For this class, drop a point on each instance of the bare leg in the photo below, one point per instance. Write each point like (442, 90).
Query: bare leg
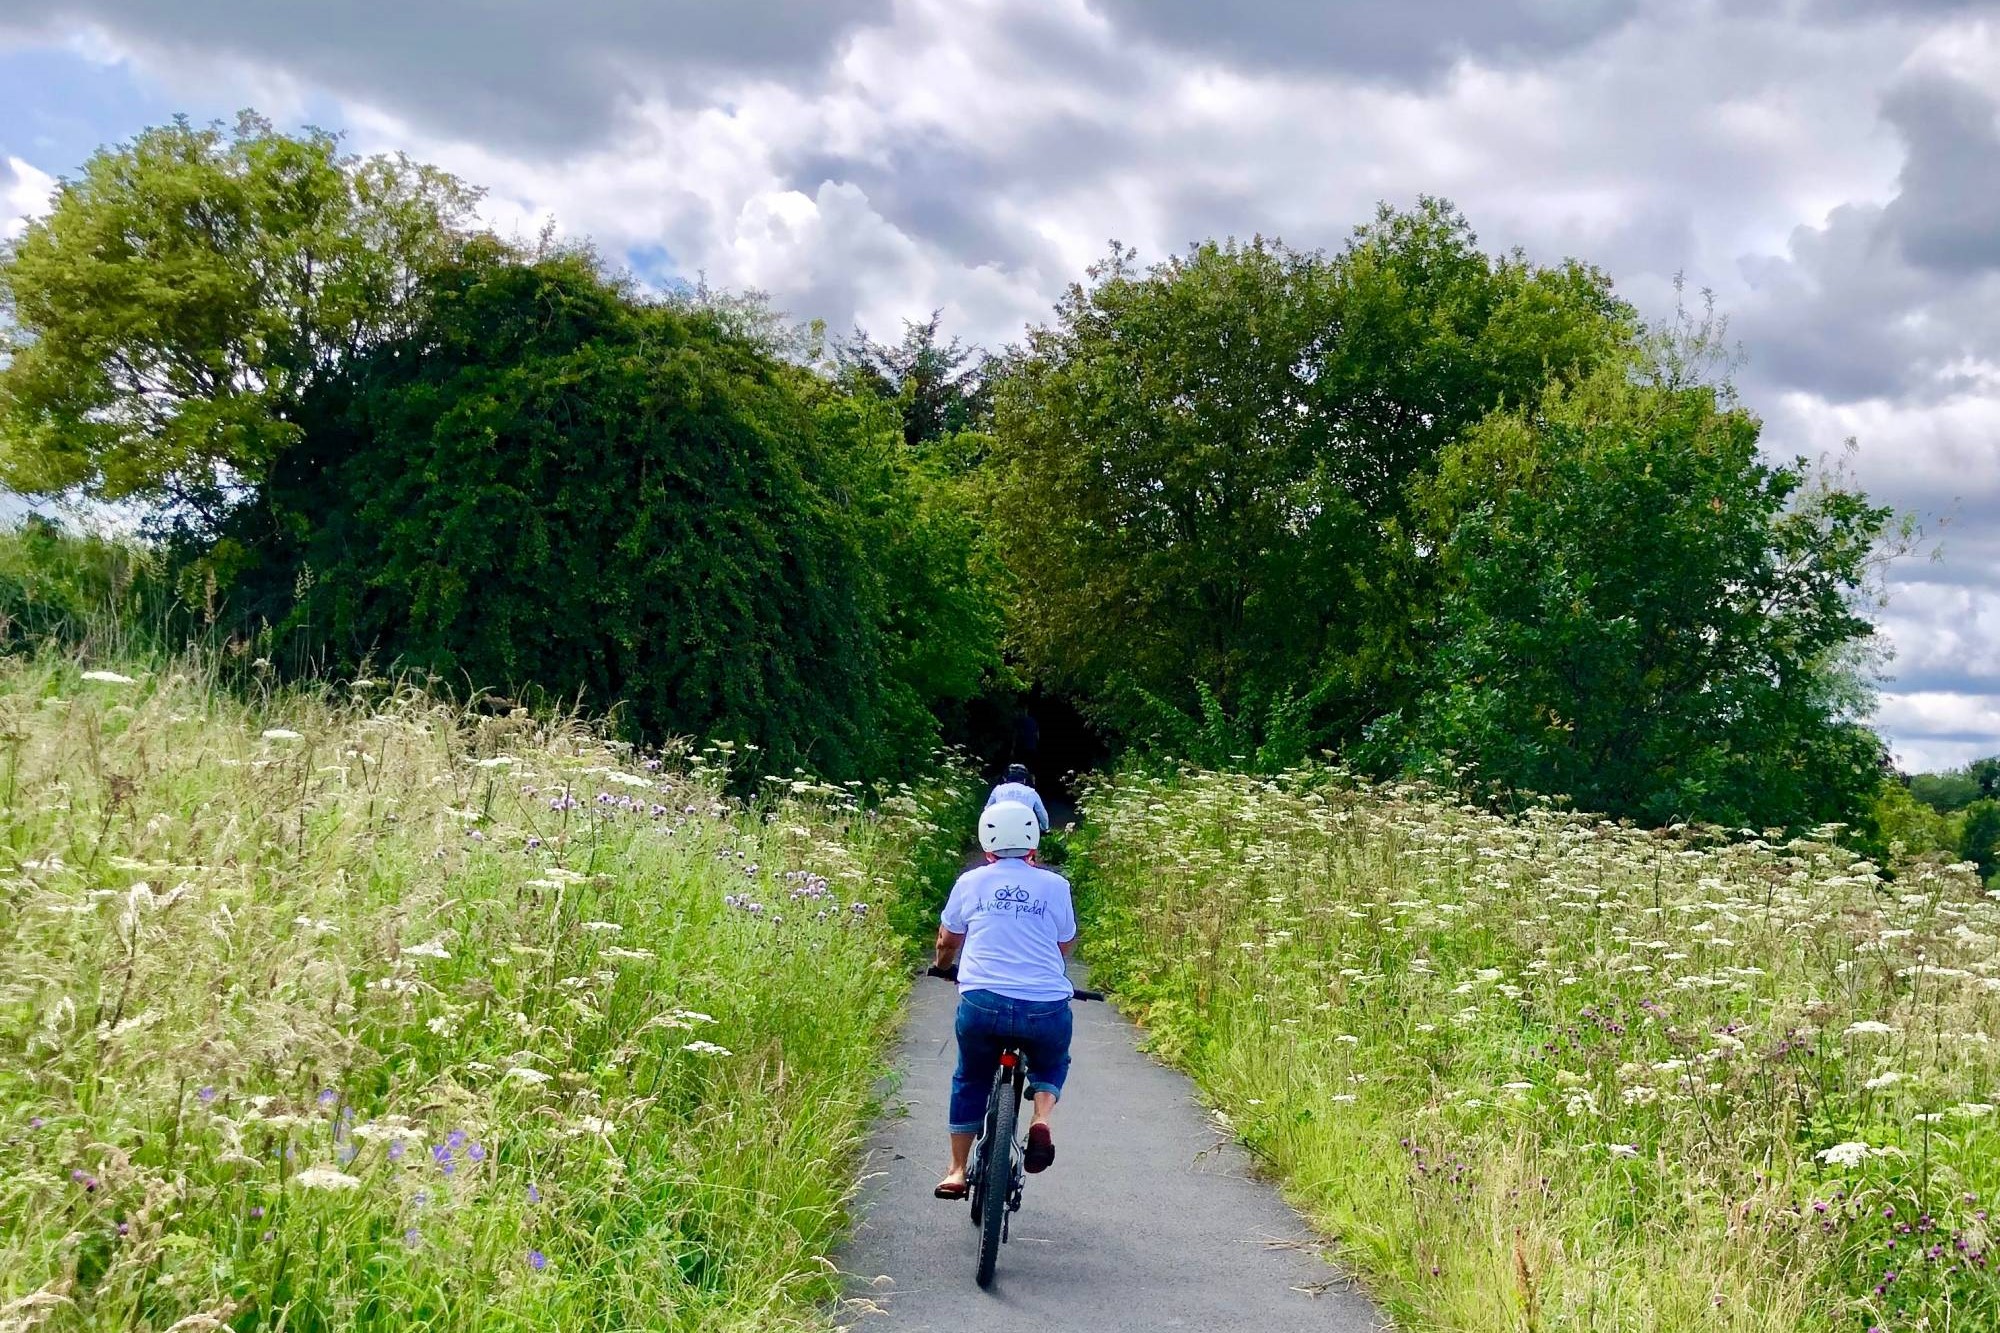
(961, 1153)
(1045, 1106)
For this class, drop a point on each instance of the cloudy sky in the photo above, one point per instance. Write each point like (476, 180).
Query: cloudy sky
(1829, 168)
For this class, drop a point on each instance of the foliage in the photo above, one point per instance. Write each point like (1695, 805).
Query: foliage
(939, 388)
(1694, 674)
(1550, 1072)
(941, 615)
(1979, 840)
(1900, 818)
(555, 487)
(165, 318)
(1956, 788)
(367, 1013)
(84, 592)
(1200, 469)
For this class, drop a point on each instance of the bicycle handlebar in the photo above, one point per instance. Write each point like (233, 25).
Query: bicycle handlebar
(951, 974)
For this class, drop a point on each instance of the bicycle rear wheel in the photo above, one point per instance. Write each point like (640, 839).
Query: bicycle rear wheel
(996, 1177)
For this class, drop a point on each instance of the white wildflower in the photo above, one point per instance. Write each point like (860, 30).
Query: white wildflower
(523, 1074)
(108, 677)
(1622, 1149)
(325, 1178)
(282, 734)
(1881, 1081)
(1843, 1154)
(603, 927)
(706, 1048)
(1869, 1027)
(428, 949)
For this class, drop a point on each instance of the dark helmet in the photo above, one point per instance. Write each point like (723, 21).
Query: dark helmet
(1019, 773)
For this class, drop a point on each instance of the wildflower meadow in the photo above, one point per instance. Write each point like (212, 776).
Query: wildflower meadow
(1552, 1072)
(356, 1010)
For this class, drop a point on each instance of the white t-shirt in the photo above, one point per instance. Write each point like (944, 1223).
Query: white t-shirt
(1014, 916)
(1023, 794)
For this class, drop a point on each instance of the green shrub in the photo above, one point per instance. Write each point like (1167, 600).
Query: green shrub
(554, 489)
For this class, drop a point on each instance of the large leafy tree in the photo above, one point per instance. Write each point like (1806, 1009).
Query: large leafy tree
(1644, 615)
(551, 485)
(187, 289)
(1203, 469)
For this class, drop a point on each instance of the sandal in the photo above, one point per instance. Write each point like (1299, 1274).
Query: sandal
(1041, 1149)
(949, 1189)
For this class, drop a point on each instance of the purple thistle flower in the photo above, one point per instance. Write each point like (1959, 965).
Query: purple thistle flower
(420, 1198)
(124, 1228)
(395, 1150)
(537, 1260)
(476, 1152)
(36, 1122)
(206, 1095)
(533, 843)
(326, 1096)
(441, 1154)
(411, 1238)
(256, 1212)
(455, 1140)
(534, 1195)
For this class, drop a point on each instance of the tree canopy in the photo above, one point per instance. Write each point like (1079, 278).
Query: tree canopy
(1643, 615)
(1443, 510)
(551, 485)
(163, 321)
(1203, 469)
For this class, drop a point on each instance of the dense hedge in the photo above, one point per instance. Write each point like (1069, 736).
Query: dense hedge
(556, 487)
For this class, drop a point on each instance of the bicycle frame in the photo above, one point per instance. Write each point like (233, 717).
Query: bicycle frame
(1009, 1080)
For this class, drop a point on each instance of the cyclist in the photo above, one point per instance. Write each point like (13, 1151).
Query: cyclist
(1009, 925)
(1019, 786)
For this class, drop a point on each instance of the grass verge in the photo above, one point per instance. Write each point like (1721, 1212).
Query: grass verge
(362, 1012)
(1550, 1073)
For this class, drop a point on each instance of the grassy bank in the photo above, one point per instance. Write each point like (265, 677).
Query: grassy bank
(362, 1012)
(1554, 1074)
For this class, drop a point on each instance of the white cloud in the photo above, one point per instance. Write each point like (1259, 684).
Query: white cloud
(1937, 729)
(24, 194)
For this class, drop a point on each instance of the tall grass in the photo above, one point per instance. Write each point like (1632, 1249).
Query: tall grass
(1550, 1073)
(103, 596)
(362, 1012)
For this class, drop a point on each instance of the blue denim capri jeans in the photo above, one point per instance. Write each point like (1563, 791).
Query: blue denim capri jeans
(986, 1023)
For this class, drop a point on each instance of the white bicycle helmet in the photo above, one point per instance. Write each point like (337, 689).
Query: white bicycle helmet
(1009, 828)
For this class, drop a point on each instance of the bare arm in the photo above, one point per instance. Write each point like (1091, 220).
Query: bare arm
(1068, 946)
(948, 945)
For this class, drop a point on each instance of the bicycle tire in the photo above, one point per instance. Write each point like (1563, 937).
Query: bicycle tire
(998, 1180)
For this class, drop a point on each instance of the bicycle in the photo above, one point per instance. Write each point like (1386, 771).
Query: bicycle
(998, 1152)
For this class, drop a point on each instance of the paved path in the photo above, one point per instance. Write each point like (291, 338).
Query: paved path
(1148, 1220)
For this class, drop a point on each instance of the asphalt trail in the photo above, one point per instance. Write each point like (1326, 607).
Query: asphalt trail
(1149, 1219)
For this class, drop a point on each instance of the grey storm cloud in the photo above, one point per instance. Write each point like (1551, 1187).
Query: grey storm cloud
(1895, 299)
(550, 76)
(1407, 40)
(1947, 215)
